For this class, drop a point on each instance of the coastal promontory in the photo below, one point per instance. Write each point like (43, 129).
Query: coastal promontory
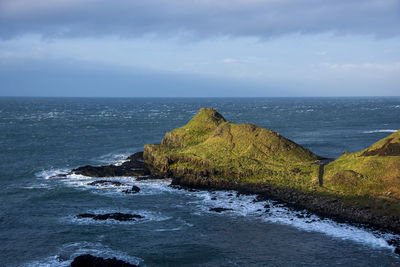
(210, 149)
(210, 152)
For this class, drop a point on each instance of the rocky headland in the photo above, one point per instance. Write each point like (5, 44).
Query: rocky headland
(211, 153)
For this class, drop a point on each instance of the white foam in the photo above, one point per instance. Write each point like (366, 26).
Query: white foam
(113, 158)
(68, 252)
(47, 174)
(380, 131)
(244, 206)
(179, 223)
(147, 187)
(37, 186)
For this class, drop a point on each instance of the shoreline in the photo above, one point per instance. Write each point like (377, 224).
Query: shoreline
(329, 207)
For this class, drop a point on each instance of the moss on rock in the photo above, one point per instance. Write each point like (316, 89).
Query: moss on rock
(213, 148)
(211, 152)
(374, 171)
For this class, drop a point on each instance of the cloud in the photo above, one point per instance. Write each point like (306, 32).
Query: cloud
(230, 60)
(384, 67)
(198, 19)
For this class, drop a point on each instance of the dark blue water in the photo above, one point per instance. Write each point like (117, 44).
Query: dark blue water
(44, 136)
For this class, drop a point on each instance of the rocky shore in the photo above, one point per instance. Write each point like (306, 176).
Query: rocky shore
(132, 166)
(330, 206)
(210, 153)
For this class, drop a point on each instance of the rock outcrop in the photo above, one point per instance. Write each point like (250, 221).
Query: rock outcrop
(88, 260)
(133, 166)
(118, 216)
(134, 189)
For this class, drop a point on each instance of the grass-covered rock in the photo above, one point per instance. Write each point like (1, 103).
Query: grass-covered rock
(210, 147)
(374, 171)
(212, 153)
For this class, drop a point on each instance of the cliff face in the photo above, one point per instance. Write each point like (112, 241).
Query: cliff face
(374, 171)
(209, 147)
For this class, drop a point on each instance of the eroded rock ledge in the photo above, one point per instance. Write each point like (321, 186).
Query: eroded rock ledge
(133, 166)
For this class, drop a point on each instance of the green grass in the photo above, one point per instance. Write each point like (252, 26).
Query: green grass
(213, 147)
(242, 152)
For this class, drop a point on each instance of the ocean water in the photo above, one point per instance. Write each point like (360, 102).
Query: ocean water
(41, 137)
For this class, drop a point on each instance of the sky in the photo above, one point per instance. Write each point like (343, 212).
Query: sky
(199, 48)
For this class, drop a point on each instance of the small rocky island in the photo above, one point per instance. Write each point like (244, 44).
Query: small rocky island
(213, 153)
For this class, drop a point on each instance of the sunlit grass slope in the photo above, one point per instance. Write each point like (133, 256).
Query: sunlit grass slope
(210, 146)
(374, 171)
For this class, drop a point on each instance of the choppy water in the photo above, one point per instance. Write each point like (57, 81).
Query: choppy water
(41, 137)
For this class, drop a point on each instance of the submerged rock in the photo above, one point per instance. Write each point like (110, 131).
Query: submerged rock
(88, 260)
(219, 209)
(133, 190)
(105, 182)
(110, 216)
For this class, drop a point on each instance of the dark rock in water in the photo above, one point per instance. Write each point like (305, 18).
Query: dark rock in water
(192, 190)
(219, 209)
(117, 216)
(134, 166)
(148, 177)
(110, 216)
(61, 175)
(396, 244)
(393, 242)
(178, 187)
(229, 195)
(105, 182)
(133, 190)
(137, 157)
(85, 215)
(213, 198)
(88, 260)
(259, 198)
(267, 206)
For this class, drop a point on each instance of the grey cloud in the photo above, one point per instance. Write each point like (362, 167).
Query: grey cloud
(198, 19)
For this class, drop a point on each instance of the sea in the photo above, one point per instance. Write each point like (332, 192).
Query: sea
(43, 137)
